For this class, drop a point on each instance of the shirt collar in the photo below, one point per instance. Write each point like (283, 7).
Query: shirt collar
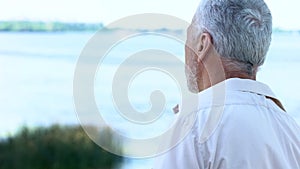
(216, 94)
(247, 85)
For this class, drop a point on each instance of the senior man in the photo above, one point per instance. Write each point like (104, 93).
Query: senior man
(240, 123)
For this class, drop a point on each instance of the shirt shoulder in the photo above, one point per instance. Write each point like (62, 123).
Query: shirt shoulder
(247, 127)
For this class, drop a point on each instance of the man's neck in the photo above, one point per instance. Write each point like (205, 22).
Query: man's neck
(217, 72)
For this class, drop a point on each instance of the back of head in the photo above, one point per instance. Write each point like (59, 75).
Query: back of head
(241, 29)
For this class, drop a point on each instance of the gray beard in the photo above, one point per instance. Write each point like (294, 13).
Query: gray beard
(192, 80)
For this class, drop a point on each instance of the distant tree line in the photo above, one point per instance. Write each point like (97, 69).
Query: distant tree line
(55, 147)
(29, 26)
(36, 26)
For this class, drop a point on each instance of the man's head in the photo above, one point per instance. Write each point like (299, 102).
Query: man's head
(234, 33)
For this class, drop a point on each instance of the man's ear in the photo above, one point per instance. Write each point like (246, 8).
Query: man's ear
(204, 46)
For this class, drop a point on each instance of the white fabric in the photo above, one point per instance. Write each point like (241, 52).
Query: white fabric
(237, 127)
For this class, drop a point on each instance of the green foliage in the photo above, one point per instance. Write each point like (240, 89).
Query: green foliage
(27, 26)
(55, 148)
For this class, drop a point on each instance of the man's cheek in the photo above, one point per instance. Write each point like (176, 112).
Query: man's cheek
(189, 56)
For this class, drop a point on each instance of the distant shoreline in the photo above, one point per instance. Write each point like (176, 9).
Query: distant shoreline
(37, 26)
(40, 26)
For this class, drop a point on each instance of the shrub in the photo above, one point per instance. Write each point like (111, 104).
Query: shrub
(55, 147)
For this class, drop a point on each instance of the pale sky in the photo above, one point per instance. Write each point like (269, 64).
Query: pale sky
(285, 13)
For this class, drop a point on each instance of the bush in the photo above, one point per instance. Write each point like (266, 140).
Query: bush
(55, 147)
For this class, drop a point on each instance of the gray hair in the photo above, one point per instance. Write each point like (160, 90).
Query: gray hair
(241, 29)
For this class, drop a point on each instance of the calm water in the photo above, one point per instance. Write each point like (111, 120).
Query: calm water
(36, 79)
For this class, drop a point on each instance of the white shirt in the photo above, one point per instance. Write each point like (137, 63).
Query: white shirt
(241, 128)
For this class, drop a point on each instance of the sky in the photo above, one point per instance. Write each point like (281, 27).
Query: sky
(285, 13)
